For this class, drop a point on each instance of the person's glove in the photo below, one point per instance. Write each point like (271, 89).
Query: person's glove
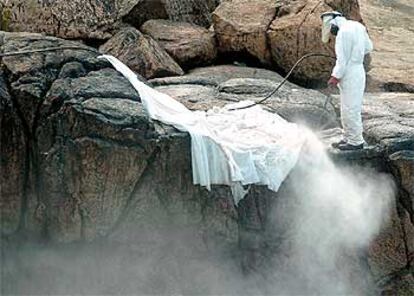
(333, 81)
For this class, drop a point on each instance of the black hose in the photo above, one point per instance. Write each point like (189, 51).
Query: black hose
(284, 79)
(15, 53)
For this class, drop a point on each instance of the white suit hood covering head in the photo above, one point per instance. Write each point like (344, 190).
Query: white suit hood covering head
(338, 21)
(327, 19)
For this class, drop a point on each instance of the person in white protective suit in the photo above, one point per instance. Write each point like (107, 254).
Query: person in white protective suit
(351, 45)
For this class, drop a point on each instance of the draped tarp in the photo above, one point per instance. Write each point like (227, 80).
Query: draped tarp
(235, 148)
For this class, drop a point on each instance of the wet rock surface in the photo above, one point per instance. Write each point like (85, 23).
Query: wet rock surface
(83, 162)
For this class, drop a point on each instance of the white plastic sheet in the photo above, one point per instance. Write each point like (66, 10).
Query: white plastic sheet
(235, 148)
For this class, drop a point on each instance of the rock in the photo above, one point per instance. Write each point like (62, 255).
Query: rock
(398, 87)
(296, 31)
(13, 161)
(389, 71)
(91, 154)
(141, 53)
(401, 284)
(241, 25)
(349, 8)
(190, 11)
(189, 45)
(387, 253)
(146, 10)
(388, 123)
(27, 81)
(29, 90)
(402, 163)
(75, 20)
(72, 70)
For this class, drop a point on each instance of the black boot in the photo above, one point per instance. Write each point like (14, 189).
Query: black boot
(336, 144)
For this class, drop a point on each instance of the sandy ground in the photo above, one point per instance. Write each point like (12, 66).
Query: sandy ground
(390, 24)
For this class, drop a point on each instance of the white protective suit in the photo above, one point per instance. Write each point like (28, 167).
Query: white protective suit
(352, 44)
(235, 148)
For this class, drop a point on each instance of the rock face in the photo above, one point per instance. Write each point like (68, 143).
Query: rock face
(189, 45)
(403, 167)
(141, 53)
(83, 161)
(389, 71)
(77, 19)
(84, 122)
(390, 125)
(15, 164)
(241, 26)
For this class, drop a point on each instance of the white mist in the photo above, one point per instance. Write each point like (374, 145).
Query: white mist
(334, 214)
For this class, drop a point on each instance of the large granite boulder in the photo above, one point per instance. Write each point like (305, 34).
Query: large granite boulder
(141, 53)
(189, 45)
(241, 25)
